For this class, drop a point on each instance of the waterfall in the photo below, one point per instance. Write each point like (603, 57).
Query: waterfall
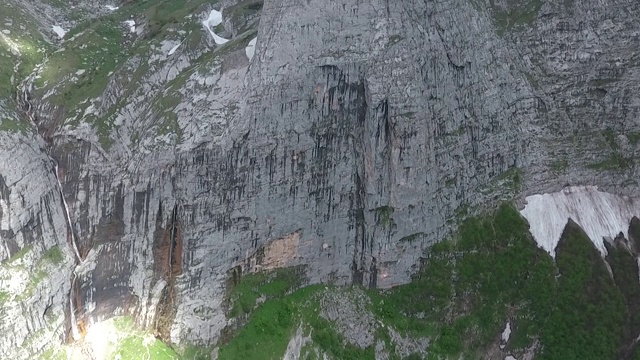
(68, 216)
(75, 332)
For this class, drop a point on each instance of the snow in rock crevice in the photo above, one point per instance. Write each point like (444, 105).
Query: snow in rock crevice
(59, 31)
(250, 50)
(600, 214)
(506, 334)
(111, 7)
(173, 49)
(214, 19)
(131, 24)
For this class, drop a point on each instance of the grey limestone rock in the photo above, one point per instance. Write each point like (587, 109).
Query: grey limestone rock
(352, 141)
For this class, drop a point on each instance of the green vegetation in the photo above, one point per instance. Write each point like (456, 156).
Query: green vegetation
(97, 54)
(267, 334)
(518, 13)
(123, 323)
(54, 354)
(384, 216)
(14, 126)
(273, 323)
(411, 238)
(196, 353)
(39, 271)
(602, 82)
(19, 255)
(512, 178)
(54, 255)
(4, 296)
(491, 272)
(633, 137)
(610, 137)
(23, 47)
(485, 276)
(589, 316)
(559, 166)
(245, 292)
(243, 10)
(35, 279)
(613, 162)
(138, 347)
(507, 182)
(625, 269)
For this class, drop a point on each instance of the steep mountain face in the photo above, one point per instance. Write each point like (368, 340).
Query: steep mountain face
(159, 148)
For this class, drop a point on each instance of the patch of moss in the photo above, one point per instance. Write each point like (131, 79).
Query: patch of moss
(588, 318)
(272, 324)
(602, 82)
(4, 296)
(245, 290)
(412, 237)
(123, 323)
(468, 287)
(15, 126)
(384, 216)
(54, 255)
(22, 49)
(613, 162)
(625, 274)
(19, 255)
(516, 14)
(196, 353)
(610, 138)
(54, 354)
(633, 137)
(34, 280)
(559, 166)
(138, 347)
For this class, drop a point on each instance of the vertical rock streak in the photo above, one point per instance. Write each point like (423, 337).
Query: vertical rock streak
(75, 331)
(71, 236)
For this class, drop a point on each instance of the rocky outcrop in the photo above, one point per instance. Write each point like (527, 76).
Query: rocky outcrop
(350, 142)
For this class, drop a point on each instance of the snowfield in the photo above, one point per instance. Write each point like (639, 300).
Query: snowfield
(59, 31)
(250, 50)
(214, 19)
(600, 214)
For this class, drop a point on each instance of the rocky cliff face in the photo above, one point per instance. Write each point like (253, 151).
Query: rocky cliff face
(159, 158)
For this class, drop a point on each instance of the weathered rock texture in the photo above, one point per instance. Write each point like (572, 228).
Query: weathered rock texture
(352, 140)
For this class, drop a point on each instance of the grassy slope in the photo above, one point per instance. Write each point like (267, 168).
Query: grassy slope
(101, 47)
(469, 287)
(22, 47)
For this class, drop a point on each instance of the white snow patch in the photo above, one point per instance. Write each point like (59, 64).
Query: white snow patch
(131, 24)
(600, 214)
(506, 334)
(59, 31)
(80, 72)
(214, 19)
(173, 49)
(509, 357)
(638, 262)
(250, 50)
(111, 7)
(6, 32)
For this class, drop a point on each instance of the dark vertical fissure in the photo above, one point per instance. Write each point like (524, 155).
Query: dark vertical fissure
(168, 259)
(360, 171)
